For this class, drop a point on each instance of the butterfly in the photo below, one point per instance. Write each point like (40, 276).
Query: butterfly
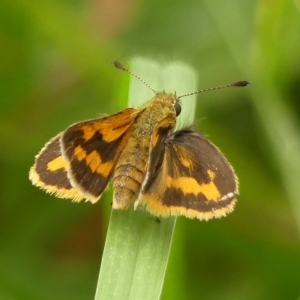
(170, 172)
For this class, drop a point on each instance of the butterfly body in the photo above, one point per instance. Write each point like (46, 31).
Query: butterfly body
(170, 173)
(132, 164)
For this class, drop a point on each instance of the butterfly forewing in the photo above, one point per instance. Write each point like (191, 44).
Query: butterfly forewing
(92, 149)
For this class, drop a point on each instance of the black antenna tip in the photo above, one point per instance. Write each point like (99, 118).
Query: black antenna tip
(241, 83)
(118, 65)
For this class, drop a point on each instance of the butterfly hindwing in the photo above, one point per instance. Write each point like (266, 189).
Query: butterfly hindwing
(92, 149)
(50, 172)
(191, 178)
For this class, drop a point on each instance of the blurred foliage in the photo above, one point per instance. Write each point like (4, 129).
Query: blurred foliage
(55, 70)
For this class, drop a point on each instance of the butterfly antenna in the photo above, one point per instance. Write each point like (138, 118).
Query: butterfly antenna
(234, 84)
(121, 67)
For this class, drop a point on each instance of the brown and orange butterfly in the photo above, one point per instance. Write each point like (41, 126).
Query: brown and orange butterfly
(171, 173)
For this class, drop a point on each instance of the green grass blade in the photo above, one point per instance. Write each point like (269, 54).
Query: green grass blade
(137, 245)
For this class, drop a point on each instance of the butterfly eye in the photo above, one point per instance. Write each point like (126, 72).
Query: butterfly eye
(177, 109)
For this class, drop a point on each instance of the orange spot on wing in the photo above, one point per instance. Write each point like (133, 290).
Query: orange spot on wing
(189, 185)
(57, 163)
(93, 161)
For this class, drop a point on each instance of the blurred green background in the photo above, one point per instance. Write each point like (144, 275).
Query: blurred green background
(55, 70)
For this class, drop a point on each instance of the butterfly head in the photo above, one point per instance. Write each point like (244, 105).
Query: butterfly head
(169, 98)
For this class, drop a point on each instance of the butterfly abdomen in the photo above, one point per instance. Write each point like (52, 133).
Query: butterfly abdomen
(129, 173)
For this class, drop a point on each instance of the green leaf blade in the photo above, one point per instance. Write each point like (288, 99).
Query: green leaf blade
(137, 246)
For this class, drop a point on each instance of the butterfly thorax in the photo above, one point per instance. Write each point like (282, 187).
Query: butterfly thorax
(132, 165)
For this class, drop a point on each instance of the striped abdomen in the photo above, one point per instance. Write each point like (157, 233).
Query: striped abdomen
(129, 172)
